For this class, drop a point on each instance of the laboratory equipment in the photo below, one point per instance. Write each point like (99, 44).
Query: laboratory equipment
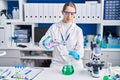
(95, 64)
(14, 38)
(15, 13)
(98, 40)
(2, 19)
(116, 77)
(4, 72)
(26, 73)
(108, 75)
(3, 4)
(49, 44)
(68, 68)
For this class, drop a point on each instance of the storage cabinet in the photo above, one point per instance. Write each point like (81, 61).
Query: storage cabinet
(30, 58)
(12, 58)
(36, 58)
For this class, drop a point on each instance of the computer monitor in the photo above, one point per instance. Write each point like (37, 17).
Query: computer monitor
(39, 32)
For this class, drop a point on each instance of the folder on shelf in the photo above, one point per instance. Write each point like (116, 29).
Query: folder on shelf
(76, 19)
(26, 12)
(34, 12)
(79, 13)
(60, 16)
(93, 11)
(55, 12)
(50, 13)
(40, 13)
(2, 37)
(45, 12)
(83, 19)
(88, 11)
(98, 13)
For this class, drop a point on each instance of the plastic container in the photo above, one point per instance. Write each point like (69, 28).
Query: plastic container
(3, 19)
(15, 13)
(98, 39)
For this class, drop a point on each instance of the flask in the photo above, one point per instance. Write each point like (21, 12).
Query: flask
(68, 69)
(108, 75)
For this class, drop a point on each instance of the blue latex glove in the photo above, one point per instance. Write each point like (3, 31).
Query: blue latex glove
(48, 43)
(74, 54)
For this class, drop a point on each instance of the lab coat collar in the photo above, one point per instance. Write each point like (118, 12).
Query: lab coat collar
(59, 24)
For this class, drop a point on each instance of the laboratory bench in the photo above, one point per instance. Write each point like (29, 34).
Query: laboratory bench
(18, 55)
(54, 74)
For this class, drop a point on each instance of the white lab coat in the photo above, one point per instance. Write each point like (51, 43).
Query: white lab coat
(74, 42)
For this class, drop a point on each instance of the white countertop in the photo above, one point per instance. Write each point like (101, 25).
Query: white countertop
(56, 74)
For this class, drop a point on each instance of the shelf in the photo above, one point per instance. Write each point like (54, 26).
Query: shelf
(111, 22)
(13, 21)
(35, 57)
(12, 0)
(105, 49)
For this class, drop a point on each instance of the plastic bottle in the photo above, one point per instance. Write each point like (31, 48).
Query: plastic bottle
(3, 19)
(98, 40)
(110, 39)
(15, 13)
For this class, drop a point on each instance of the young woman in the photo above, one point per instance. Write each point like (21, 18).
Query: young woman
(68, 35)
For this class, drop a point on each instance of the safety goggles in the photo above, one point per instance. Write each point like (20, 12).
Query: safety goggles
(69, 13)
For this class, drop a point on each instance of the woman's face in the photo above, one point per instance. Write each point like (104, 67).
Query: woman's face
(68, 14)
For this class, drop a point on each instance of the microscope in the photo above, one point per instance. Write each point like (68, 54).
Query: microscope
(95, 64)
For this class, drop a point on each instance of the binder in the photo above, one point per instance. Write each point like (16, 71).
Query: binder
(40, 13)
(2, 37)
(45, 12)
(50, 13)
(79, 11)
(35, 12)
(93, 11)
(31, 12)
(98, 13)
(83, 19)
(88, 11)
(60, 7)
(76, 19)
(55, 12)
(26, 12)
